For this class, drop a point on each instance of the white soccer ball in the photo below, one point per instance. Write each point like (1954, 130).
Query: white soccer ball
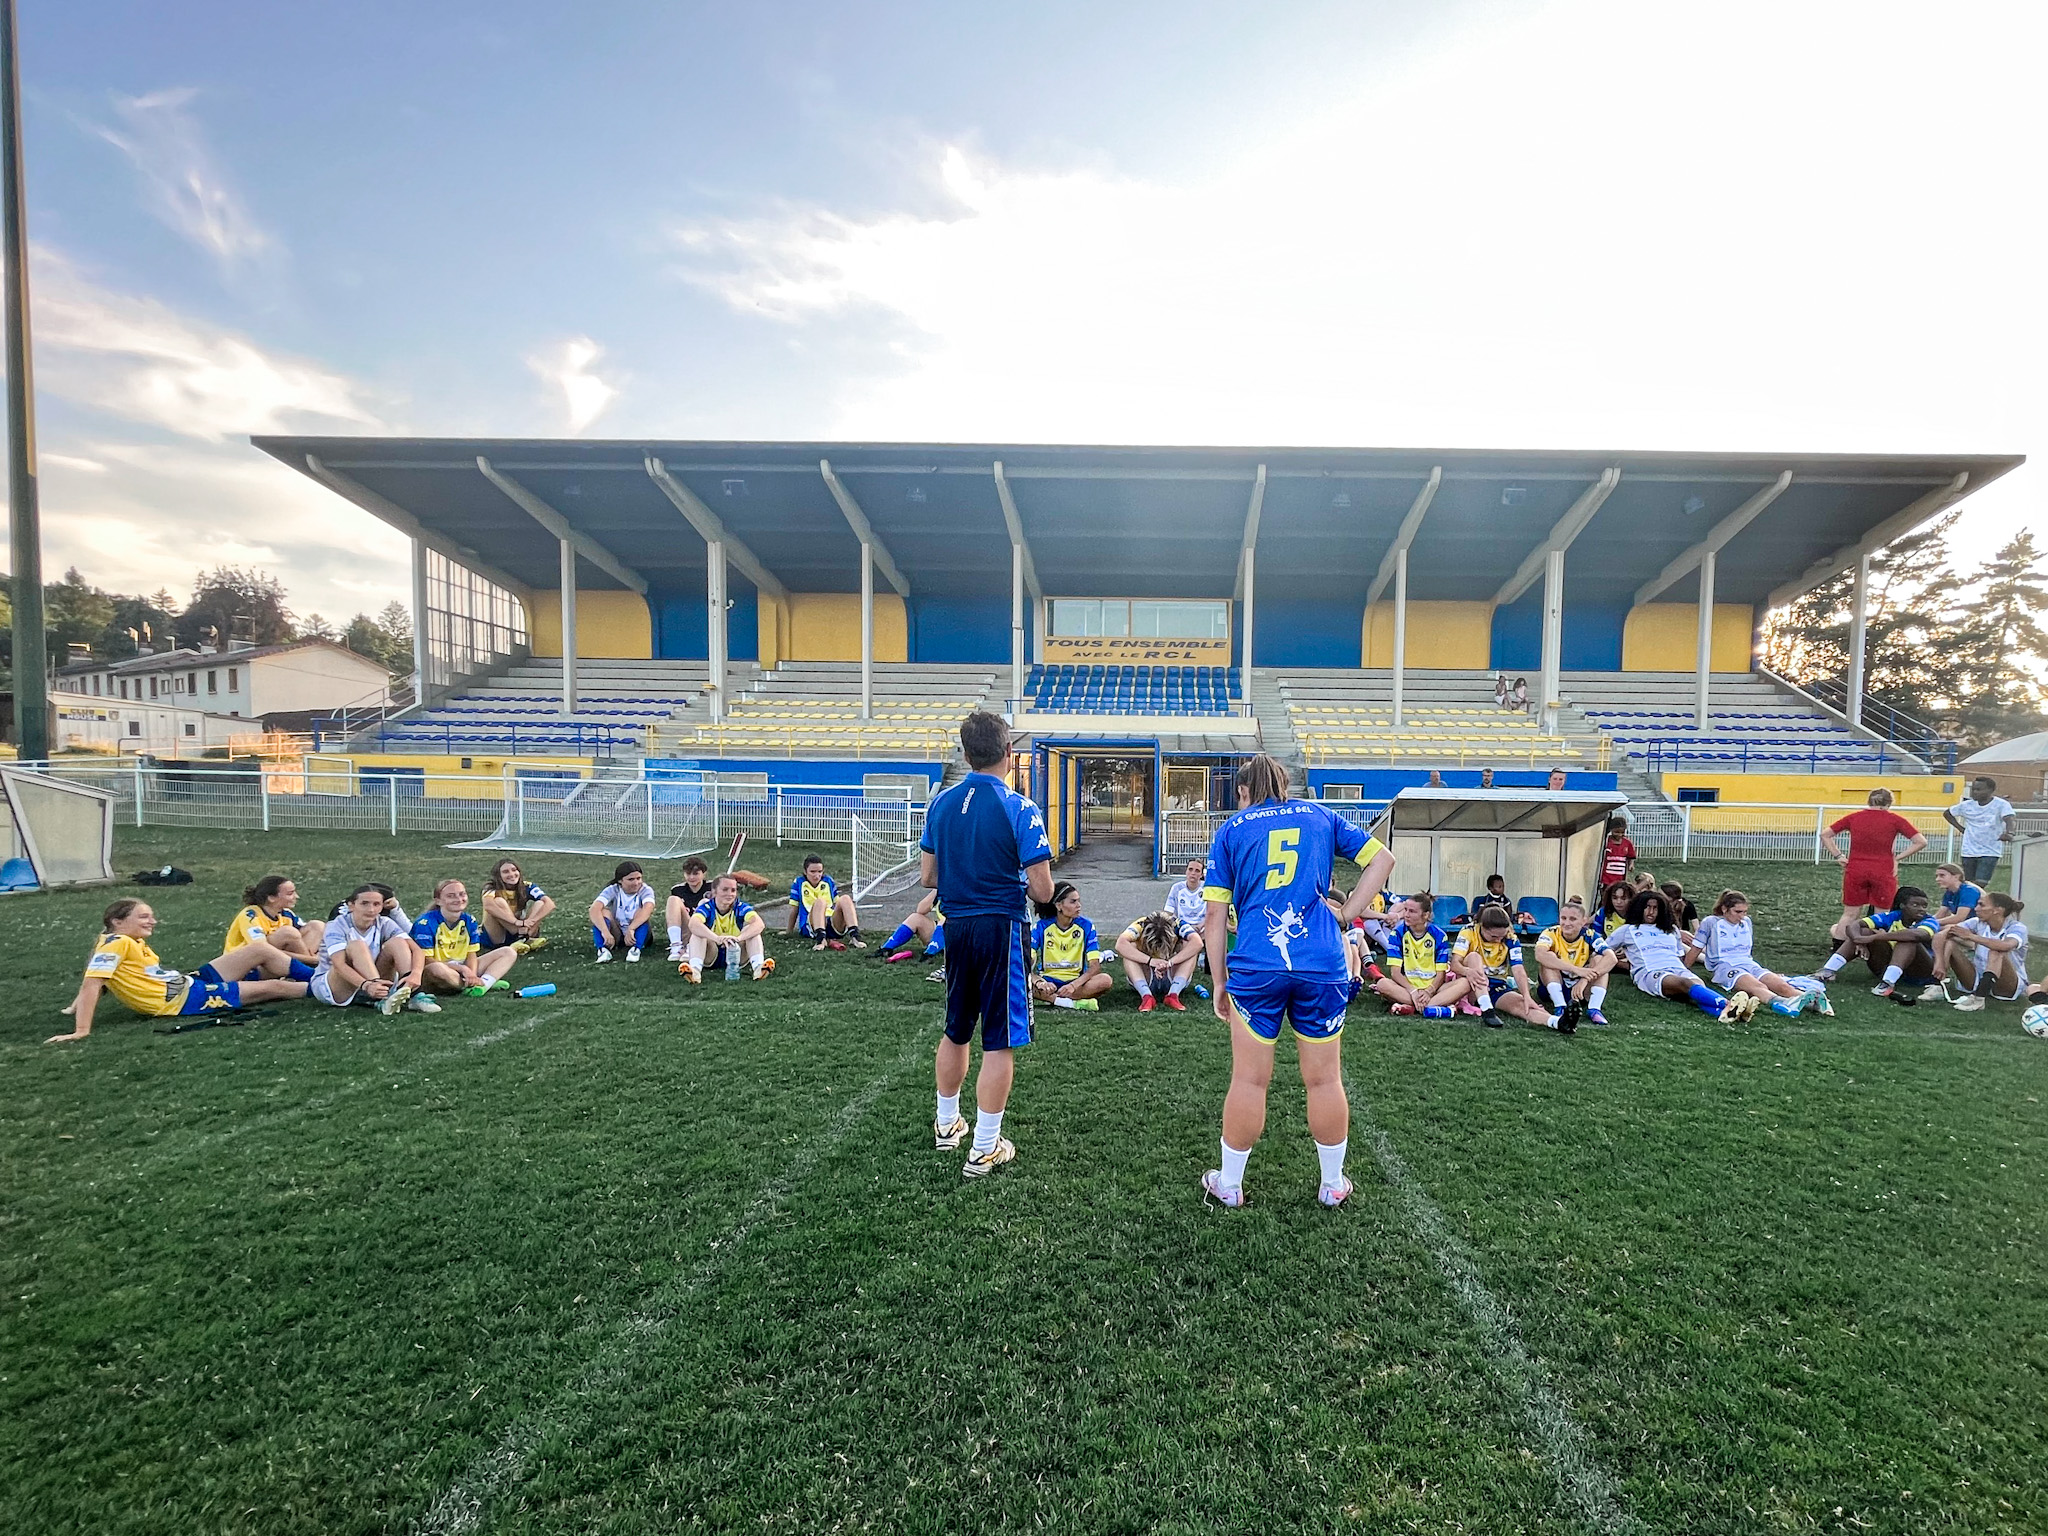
(2035, 1021)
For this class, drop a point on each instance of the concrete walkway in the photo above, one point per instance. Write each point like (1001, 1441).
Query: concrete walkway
(1114, 873)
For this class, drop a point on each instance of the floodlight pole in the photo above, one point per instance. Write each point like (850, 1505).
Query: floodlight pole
(716, 643)
(31, 654)
(568, 628)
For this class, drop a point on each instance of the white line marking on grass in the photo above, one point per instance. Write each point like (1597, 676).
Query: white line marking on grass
(1585, 1484)
(462, 1508)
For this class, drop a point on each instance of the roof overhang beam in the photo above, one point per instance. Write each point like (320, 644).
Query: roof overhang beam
(1251, 528)
(1016, 526)
(863, 530)
(713, 530)
(1905, 520)
(390, 512)
(1716, 540)
(1405, 535)
(1568, 528)
(558, 525)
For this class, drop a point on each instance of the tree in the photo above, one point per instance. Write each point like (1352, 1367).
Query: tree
(386, 639)
(2002, 647)
(315, 627)
(229, 604)
(75, 613)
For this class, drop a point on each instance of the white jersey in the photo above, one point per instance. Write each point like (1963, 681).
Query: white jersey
(1651, 951)
(340, 934)
(1191, 907)
(624, 906)
(1983, 826)
(2015, 929)
(1725, 942)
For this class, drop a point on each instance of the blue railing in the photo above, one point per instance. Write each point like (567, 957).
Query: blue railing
(1768, 757)
(428, 735)
(1902, 728)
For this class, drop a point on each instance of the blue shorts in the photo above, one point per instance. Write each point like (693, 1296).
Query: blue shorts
(638, 941)
(1498, 987)
(1313, 1008)
(205, 996)
(987, 982)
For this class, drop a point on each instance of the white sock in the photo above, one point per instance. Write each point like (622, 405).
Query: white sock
(1556, 991)
(1595, 996)
(1175, 988)
(949, 1108)
(675, 935)
(1892, 973)
(988, 1126)
(1063, 1002)
(1835, 963)
(1233, 1165)
(1332, 1159)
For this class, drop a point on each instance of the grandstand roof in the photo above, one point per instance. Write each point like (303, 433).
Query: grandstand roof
(1146, 521)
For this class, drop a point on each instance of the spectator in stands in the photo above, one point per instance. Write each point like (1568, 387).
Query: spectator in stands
(1985, 818)
(720, 925)
(926, 926)
(1996, 969)
(1436, 780)
(1870, 869)
(367, 958)
(623, 914)
(1503, 690)
(818, 911)
(1661, 958)
(1897, 944)
(1486, 778)
(1556, 780)
(1159, 957)
(1727, 938)
(451, 944)
(1066, 953)
(1420, 978)
(684, 899)
(267, 918)
(124, 964)
(514, 909)
(1518, 701)
(1184, 898)
(1618, 854)
(1687, 914)
(1574, 960)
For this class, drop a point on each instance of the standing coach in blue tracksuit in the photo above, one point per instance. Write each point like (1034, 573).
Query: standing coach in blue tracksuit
(978, 836)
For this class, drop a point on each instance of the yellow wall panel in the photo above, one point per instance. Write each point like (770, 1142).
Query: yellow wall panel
(1664, 637)
(769, 622)
(825, 626)
(1445, 636)
(609, 625)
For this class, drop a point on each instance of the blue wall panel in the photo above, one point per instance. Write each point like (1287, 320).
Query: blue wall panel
(1518, 634)
(682, 623)
(960, 629)
(1308, 632)
(1592, 636)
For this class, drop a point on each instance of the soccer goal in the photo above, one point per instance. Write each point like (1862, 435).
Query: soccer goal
(884, 847)
(59, 833)
(629, 818)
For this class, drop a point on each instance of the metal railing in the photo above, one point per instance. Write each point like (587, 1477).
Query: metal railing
(450, 738)
(1903, 729)
(1236, 709)
(1771, 757)
(1786, 832)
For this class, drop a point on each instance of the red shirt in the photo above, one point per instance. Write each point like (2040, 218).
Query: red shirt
(1871, 833)
(1615, 860)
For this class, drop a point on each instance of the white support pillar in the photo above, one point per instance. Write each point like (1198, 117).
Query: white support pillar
(568, 628)
(421, 668)
(1703, 662)
(1017, 623)
(1249, 581)
(867, 631)
(1400, 627)
(1553, 635)
(1859, 634)
(716, 644)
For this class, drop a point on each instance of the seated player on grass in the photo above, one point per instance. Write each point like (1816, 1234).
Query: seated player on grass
(1420, 978)
(623, 914)
(1612, 914)
(1575, 961)
(926, 926)
(1686, 914)
(1958, 905)
(451, 941)
(1996, 970)
(1898, 945)
(1661, 955)
(390, 906)
(683, 899)
(721, 926)
(267, 918)
(1159, 957)
(124, 964)
(368, 960)
(1068, 955)
(514, 909)
(1490, 957)
(1727, 938)
(817, 910)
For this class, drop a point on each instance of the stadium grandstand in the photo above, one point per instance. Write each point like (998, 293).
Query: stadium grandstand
(823, 614)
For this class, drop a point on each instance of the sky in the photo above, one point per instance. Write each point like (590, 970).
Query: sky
(1776, 227)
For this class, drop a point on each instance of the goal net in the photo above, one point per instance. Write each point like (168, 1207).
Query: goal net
(625, 818)
(58, 833)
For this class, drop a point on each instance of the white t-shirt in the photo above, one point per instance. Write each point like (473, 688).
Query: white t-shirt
(1651, 951)
(624, 904)
(340, 932)
(1191, 907)
(1982, 826)
(1723, 940)
(2012, 930)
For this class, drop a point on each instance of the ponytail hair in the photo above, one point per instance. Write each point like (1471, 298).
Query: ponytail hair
(263, 890)
(1262, 778)
(2010, 905)
(1729, 899)
(1060, 892)
(117, 910)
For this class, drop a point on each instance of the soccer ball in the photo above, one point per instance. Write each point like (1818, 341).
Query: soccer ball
(2035, 1021)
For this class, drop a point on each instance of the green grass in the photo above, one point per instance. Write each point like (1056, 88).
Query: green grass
(643, 1257)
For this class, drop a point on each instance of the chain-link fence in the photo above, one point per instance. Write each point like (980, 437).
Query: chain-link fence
(1783, 832)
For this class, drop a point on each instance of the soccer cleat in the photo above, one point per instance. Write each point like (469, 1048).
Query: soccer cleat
(1173, 1001)
(947, 1137)
(1731, 1011)
(1404, 1010)
(1334, 1195)
(981, 1164)
(1970, 1002)
(1492, 1020)
(1751, 1006)
(1937, 992)
(899, 957)
(1904, 1000)
(395, 999)
(1147, 1003)
(604, 957)
(1818, 1002)
(1470, 1009)
(1213, 1188)
(675, 953)
(1882, 989)
(1087, 1005)
(1568, 1019)
(853, 939)
(421, 1003)
(1595, 1017)
(836, 947)
(1788, 1007)
(535, 944)
(690, 973)
(1374, 974)
(632, 957)
(522, 946)
(937, 975)
(767, 969)
(1356, 991)
(478, 990)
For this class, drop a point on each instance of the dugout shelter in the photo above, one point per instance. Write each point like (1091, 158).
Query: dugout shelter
(1544, 845)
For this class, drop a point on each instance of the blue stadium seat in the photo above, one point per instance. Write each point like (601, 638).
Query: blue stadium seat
(1449, 911)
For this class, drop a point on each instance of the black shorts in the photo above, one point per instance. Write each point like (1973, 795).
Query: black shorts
(986, 982)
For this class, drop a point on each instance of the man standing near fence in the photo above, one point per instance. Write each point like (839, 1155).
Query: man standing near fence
(978, 836)
(1870, 869)
(1985, 818)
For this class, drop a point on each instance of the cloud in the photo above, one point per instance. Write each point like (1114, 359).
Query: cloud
(181, 183)
(585, 396)
(136, 358)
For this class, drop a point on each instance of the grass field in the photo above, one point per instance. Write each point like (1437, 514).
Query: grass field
(643, 1257)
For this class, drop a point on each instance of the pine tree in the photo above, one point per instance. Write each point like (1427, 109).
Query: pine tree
(2001, 647)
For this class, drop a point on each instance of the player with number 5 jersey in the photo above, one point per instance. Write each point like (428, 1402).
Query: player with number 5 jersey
(1275, 860)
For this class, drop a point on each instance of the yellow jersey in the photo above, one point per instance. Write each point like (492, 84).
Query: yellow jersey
(1577, 952)
(253, 925)
(1422, 954)
(130, 970)
(1499, 957)
(1063, 953)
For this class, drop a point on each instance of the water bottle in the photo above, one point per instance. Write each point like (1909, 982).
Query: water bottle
(1201, 991)
(545, 989)
(732, 962)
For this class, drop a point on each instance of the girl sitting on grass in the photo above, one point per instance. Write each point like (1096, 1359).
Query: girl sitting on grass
(124, 964)
(1069, 956)
(1661, 954)
(267, 918)
(926, 926)
(622, 914)
(514, 909)
(1490, 957)
(1727, 937)
(1997, 969)
(1612, 916)
(1159, 958)
(1420, 977)
(452, 942)
(367, 960)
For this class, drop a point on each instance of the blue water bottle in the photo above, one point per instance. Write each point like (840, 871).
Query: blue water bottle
(732, 962)
(545, 989)
(1200, 990)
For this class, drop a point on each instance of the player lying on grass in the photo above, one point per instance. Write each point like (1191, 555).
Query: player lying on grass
(1727, 938)
(451, 943)
(724, 926)
(514, 909)
(267, 918)
(925, 926)
(623, 914)
(1661, 954)
(1420, 977)
(1574, 962)
(367, 959)
(124, 964)
(1994, 968)
(818, 911)
(1067, 954)
(1490, 957)
(1159, 958)
(1898, 945)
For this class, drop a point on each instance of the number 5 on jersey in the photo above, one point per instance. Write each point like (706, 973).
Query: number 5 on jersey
(1280, 857)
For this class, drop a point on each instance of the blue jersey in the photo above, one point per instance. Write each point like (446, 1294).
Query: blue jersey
(1888, 922)
(1963, 898)
(982, 834)
(1274, 861)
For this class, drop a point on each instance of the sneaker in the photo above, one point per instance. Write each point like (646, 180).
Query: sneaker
(1173, 1001)
(1818, 1002)
(1213, 1189)
(1937, 992)
(1405, 1010)
(421, 1003)
(1492, 1020)
(1568, 1019)
(394, 1000)
(946, 1138)
(937, 975)
(1882, 989)
(632, 957)
(690, 974)
(604, 957)
(1334, 1195)
(675, 953)
(1970, 1002)
(1595, 1017)
(1147, 1003)
(981, 1164)
(767, 970)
